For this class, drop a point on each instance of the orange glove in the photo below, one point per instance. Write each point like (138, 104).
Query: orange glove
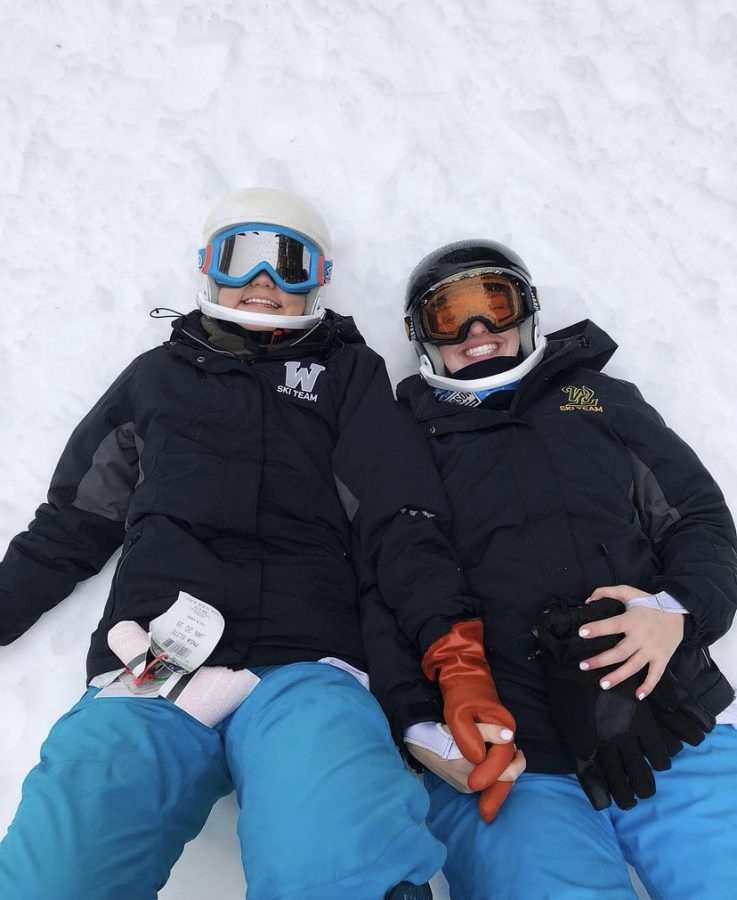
(458, 661)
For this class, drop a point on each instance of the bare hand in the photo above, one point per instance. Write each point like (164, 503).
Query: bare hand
(453, 771)
(651, 637)
(456, 772)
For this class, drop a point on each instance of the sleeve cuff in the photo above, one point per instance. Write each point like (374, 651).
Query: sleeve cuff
(432, 736)
(662, 601)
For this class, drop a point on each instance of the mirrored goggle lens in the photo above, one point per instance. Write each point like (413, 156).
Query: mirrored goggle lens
(240, 253)
(493, 298)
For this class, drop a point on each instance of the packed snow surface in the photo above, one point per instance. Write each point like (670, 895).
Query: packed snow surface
(596, 138)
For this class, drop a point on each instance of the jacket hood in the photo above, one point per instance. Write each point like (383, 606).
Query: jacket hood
(581, 345)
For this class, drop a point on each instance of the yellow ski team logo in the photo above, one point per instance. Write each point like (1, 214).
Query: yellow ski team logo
(581, 398)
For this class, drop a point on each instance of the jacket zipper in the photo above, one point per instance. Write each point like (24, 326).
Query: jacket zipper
(306, 334)
(208, 346)
(603, 549)
(123, 560)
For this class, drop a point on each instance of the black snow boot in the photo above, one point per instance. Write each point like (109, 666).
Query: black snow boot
(405, 890)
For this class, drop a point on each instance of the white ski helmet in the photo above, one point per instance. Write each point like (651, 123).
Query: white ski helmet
(289, 221)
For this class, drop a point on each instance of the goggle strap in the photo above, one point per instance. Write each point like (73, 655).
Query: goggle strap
(206, 259)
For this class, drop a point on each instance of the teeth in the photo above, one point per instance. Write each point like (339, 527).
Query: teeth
(261, 302)
(484, 348)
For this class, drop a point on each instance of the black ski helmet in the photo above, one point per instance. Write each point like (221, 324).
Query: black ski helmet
(462, 256)
(468, 256)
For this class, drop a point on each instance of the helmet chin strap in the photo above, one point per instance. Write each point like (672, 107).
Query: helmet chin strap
(482, 384)
(241, 317)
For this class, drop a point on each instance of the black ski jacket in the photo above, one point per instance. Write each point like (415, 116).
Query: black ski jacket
(237, 480)
(579, 484)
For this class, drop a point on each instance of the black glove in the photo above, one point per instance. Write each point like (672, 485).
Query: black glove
(678, 712)
(611, 734)
(405, 890)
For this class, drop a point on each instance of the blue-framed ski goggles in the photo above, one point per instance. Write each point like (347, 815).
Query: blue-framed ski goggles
(294, 263)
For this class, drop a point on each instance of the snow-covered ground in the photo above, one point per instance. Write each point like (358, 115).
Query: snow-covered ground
(597, 137)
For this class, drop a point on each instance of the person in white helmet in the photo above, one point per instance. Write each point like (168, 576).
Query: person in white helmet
(237, 464)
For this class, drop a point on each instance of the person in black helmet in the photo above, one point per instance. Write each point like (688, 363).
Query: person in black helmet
(604, 558)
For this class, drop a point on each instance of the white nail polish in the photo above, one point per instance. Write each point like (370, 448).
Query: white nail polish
(506, 734)
(606, 685)
(583, 666)
(641, 696)
(583, 632)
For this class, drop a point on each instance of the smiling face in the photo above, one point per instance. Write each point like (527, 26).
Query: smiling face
(480, 344)
(261, 295)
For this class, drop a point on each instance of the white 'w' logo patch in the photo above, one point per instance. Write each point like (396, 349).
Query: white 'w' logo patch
(300, 379)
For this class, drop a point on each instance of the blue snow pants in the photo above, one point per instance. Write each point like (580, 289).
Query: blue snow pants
(327, 808)
(548, 842)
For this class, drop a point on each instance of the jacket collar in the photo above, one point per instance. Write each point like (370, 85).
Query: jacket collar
(189, 339)
(582, 344)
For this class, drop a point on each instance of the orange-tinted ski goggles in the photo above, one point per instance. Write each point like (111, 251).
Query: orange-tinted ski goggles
(445, 313)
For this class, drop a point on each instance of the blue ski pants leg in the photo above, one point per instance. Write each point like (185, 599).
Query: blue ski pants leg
(328, 810)
(547, 843)
(683, 841)
(122, 785)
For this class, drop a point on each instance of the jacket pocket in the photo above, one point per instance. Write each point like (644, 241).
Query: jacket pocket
(523, 646)
(128, 547)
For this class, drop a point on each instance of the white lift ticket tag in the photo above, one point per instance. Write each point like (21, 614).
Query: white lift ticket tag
(187, 633)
